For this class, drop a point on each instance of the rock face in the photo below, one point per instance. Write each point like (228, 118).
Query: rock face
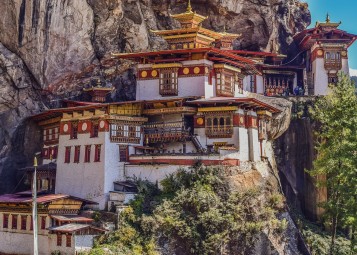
(294, 153)
(58, 37)
(19, 99)
(57, 46)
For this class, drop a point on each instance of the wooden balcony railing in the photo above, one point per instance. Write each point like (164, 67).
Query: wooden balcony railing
(333, 64)
(219, 131)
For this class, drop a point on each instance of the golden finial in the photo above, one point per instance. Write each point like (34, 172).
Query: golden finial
(35, 162)
(328, 18)
(189, 7)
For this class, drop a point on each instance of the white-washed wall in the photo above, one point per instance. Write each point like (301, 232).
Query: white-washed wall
(84, 180)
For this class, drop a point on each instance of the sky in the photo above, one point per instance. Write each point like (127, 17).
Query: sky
(339, 10)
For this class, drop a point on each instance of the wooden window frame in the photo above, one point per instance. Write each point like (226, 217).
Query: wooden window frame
(43, 222)
(87, 150)
(23, 222)
(168, 82)
(5, 222)
(14, 218)
(68, 240)
(125, 132)
(94, 130)
(225, 82)
(97, 152)
(59, 239)
(74, 131)
(219, 126)
(123, 153)
(67, 155)
(77, 153)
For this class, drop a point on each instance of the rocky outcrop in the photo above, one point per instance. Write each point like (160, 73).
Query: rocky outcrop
(19, 99)
(56, 38)
(294, 153)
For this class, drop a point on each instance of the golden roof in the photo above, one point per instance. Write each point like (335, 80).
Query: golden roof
(189, 17)
(327, 23)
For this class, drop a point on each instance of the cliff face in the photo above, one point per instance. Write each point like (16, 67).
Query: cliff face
(53, 47)
(58, 37)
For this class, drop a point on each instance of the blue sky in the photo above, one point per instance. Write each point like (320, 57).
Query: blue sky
(339, 10)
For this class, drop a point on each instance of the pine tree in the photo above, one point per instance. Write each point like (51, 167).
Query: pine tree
(337, 155)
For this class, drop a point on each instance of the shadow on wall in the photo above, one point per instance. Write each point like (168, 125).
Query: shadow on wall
(17, 153)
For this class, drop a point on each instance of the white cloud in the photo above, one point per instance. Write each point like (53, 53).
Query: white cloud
(353, 72)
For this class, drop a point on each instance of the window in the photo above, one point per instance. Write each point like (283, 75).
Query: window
(74, 131)
(94, 130)
(225, 83)
(31, 223)
(14, 222)
(68, 240)
(43, 222)
(67, 156)
(97, 153)
(125, 132)
(332, 78)
(53, 152)
(219, 126)
(169, 82)
(5, 222)
(252, 84)
(23, 222)
(87, 153)
(59, 240)
(77, 150)
(123, 153)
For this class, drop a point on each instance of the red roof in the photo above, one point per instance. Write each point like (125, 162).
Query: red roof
(19, 198)
(236, 100)
(24, 198)
(225, 55)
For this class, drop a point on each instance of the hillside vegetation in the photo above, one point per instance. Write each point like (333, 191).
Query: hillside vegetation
(196, 213)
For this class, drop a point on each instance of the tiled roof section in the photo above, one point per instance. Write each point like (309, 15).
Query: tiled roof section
(25, 198)
(236, 100)
(71, 218)
(73, 227)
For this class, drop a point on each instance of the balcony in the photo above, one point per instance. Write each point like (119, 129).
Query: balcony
(333, 64)
(219, 131)
(166, 132)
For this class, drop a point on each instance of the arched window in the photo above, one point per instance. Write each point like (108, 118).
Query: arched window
(228, 121)
(328, 55)
(221, 122)
(209, 122)
(215, 122)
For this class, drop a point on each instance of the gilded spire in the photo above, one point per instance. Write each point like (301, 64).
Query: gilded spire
(328, 18)
(189, 7)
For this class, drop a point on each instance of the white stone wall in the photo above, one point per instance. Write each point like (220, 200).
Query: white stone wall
(84, 242)
(260, 84)
(52, 239)
(204, 140)
(187, 86)
(345, 66)
(243, 144)
(22, 243)
(84, 180)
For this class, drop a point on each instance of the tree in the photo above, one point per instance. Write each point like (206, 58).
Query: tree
(337, 155)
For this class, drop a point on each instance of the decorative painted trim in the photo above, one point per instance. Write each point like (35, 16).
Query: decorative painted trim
(228, 67)
(168, 65)
(183, 162)
(218, 109)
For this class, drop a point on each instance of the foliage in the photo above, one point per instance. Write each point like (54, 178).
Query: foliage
(317, 239)
(195, 213)
(337, 156)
